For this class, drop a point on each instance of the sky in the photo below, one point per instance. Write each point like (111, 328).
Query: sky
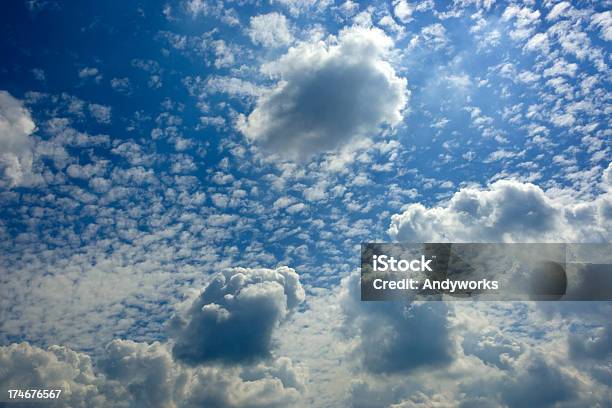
(185, 186)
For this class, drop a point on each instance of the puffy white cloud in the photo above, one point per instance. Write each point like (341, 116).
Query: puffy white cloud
(524, 19)
(233, 319)
(154, 379)
(25, 366)
(403, 10)
(16, 126)
(508, 211)
(270, 30)
(132, 374)
(328, 94)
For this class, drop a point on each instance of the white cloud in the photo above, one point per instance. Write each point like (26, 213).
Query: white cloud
(403, 10)
(132, 374)
(328, 94)
(88, 72)
(507, 211)
(524, 19)
(538, 42)
(229, 85)
(101, 113)
(57, 368)
(16, 126)
(196, 7)
(604, 22)
(121, 85)
(224, 55)
(434, 36)
(297, 7)
(558, 10)
(270, 30)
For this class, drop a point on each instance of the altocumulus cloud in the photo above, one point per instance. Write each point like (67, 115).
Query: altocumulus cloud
(16, 126)
(134, 374)
(328, 93)
(270, 30)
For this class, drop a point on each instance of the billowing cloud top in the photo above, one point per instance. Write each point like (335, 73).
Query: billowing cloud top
(509, 210)
(233, 319)
(328, 93)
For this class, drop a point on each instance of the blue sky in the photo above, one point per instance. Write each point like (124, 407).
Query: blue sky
(147, 147)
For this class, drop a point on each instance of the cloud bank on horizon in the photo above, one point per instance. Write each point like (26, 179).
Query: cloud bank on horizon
(185, 186)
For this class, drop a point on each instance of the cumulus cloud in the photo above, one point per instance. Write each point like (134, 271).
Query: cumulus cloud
(133, 374)
(508, 211)
(25, 366)
(535, 379)
(233, 319)
(328, 94)
(16, 126)
(397, 337)
(231, 322)
(270, 30)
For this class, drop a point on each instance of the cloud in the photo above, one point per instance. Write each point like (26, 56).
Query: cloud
(16, 126)
(132, 374)
(558, 10)
(297, 7)
(233, 319)
(525, 21)
(403, 10)
(328, 94)
(88, 72)
(25, 366)
(604, 22)
(507, 211)
(434, 36)
(540, 384)
(101, 113)
(270, 30)
(396, 337)
(249, 304)
(154, 379)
